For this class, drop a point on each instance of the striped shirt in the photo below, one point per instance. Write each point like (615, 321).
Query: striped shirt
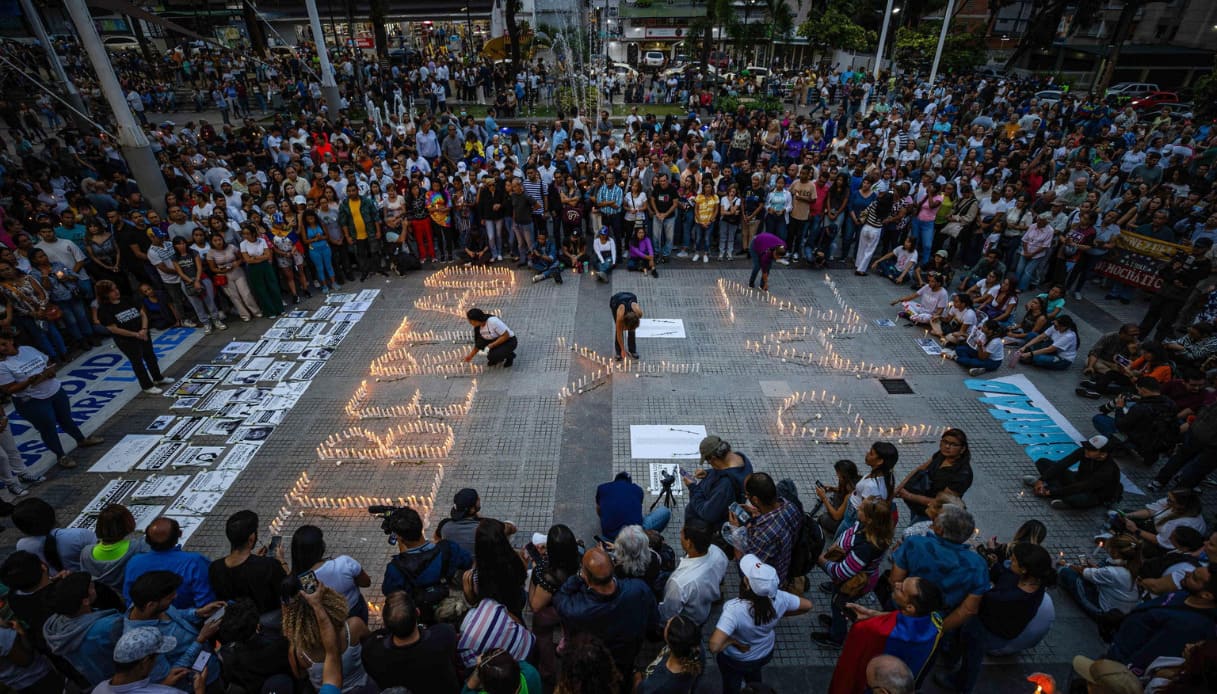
(535, 190)
(860, 556)
(489, 626)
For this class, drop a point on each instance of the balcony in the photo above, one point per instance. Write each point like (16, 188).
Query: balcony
(661, 9)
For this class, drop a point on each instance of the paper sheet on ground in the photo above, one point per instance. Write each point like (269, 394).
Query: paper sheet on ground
(657, 470)
(129, 450)
(661, 327)
(666, 441)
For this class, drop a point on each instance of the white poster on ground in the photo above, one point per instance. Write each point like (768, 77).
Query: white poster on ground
(673, 328)
(124, 454)
(666, 441)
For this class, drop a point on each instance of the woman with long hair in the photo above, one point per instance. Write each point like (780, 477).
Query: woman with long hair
(852, 565)
(318, 244)
(342, 573)
(224, 261)
(491, 334)
(256, 254)
(303, 632)
(63, 286)
(948, 470)
(880, 481)
(1154, 524)
(877, 214)
(498, 571)
(1111, 585)
(552, 563)
(743, 639)
(678, 666)
(127, 322)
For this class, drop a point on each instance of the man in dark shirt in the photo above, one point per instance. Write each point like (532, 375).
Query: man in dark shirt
(1163, 626)
(619, 503)
(663, 215)
(1179, 276)
(1096, 481)
(246, 573)
(424, 569)
(404, 654)
(618, 611)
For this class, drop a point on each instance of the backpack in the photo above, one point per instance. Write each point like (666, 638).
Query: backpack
(809, 542)
(412, 565)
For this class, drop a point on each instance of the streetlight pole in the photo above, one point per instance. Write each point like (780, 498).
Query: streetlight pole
(73, 94)
(942, 39)
(133, 141)
(887, 19)
(329, 86)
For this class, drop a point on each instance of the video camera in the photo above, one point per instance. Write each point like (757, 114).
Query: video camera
(384, 513)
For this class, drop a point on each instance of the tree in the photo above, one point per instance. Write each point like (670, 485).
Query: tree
(915, 48)
(835, 28)
(1205, 96)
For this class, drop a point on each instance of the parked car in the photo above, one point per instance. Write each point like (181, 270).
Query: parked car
(1181, 110)
(1048, 97)
(654, 59)
(622, 70)
(719, 59)
(1153, 99)
(1123, 91)
(120, 42)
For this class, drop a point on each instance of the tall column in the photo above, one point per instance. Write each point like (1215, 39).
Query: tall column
(131, 138)
(329, 87)
(887, 19)
(942, 39)
(72, 95)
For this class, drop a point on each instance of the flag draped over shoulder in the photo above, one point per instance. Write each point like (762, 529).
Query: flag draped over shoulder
(911, 639)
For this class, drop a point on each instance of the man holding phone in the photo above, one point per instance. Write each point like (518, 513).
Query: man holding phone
(768, 526)
(136, 655)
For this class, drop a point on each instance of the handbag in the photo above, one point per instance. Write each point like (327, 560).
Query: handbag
(52, 312)
(220, 280)
(854, 585)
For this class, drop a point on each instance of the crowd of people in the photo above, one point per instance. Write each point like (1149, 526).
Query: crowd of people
(994, 207)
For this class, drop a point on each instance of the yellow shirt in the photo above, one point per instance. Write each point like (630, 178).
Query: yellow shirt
(361, 230)
(704, 208)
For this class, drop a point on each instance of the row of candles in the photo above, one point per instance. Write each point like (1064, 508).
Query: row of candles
(361, 444)
(299, 499)
(469, 277)
(846, 317)
(827, 360)
(857, 426)
(400, 362)
(358, 407)
(405, 336)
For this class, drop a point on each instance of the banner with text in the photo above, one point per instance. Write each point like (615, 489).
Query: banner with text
(1135, 259)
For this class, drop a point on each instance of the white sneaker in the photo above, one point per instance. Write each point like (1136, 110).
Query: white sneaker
(164, 381)
(682, 254)
(207, 329)
(153, 391)
(696, 257)
(17, 490)
(783, 261)
(705, 258)
(219, 324)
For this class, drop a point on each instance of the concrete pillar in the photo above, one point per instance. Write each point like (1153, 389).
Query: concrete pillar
(71, 94)
(329, 87)
(131, 138)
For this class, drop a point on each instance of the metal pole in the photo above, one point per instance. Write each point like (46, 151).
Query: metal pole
(942, 39)
(73, 94)
(887, 18)
(136, 149)
(329, 87)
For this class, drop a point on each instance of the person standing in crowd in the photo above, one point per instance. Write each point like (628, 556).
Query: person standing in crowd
(29, 377)
(128, 323)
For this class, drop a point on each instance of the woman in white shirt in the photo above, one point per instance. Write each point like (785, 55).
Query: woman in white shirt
(1112, 585)
(956, 322)
(881, 459)
(927, 303)
(635, 203)
(984, 349)
(729, 222)
(1180, 508)
(342, 574)
(744, 638)
(1055, 348)
(494, 336)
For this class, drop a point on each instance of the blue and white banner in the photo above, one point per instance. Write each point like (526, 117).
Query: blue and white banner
(98, 384)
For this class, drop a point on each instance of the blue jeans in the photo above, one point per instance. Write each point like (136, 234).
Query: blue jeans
(45, 335)
(776, 224)
(43, 415)
(849, 234)
(1083, 592)
(323, 262)
(74, 319)
(811, 238)
(736, 672)
(1027, 268)
(658, 519)
(1104, 425)
(547, 270)
(923, 232)
(604, 266)
(726, 237)
(701, 237)
(1051, 362)
(967, 356)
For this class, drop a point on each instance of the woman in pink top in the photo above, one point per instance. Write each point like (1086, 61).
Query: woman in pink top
(923, 225)
(1034, 250)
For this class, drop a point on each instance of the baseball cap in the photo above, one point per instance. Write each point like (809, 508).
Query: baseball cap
(1111, 676)
(464, 502)
(1095, 443)
(709, 446)
(762, 577)
(942, 254)
(300, 200)
(141, 642)
(604, 231)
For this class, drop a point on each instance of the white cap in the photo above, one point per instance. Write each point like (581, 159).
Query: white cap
(1097, 442)
(762, 577)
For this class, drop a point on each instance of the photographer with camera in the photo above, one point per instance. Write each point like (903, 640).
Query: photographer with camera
(424, 569)
(619, 503)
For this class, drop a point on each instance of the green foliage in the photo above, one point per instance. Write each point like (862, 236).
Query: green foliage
(836, 28)
(1206, 94)
(915, 48)
(567, 99)
(768, 104)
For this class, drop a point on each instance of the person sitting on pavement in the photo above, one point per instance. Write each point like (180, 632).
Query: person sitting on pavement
(641, 253)
(989, 263)
(1110, 585)
(912, 630)
(696, 583)
(946, 561)
(618, 611)
(36, 520)
(462, 521)
(1095, 482)
(423, 568)
(1153, 525)
(678, 666)
(1164, 573)
(1106, 676)
(1111, 349)
(1146, 424)
(925, 305)
(1195, 457)
(252, 658)
(543, 259)
(949, 469)
(107, 558)
(1164, 625)
(301, 627)
(619, 503)
(1055, 348)
(247, 572)
(164, 536)
(852, 565)
(1015, 614)
(1151, 363)
(889, 674)
(711, 492)
(1195, 347)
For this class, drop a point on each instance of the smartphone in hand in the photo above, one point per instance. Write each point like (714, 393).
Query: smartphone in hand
(741, 514)
(200, 663)
(309, 582)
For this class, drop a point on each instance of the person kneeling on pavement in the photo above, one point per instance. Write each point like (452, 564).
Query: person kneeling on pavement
(1095, 482)
(1146, 424)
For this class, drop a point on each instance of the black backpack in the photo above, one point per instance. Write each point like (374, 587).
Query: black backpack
(412, 565)
(809, 542)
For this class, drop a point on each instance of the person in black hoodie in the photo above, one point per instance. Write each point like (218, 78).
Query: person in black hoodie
(251, 658)
(1096, 481)
(712, 491)
(1147, 425)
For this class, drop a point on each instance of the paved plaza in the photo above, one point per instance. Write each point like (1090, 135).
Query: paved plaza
(790, 379)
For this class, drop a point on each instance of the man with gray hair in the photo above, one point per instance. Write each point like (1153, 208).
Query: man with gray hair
(946, 561)
(889, 674)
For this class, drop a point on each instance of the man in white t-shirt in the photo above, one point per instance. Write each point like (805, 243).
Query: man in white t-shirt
(927, 303)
